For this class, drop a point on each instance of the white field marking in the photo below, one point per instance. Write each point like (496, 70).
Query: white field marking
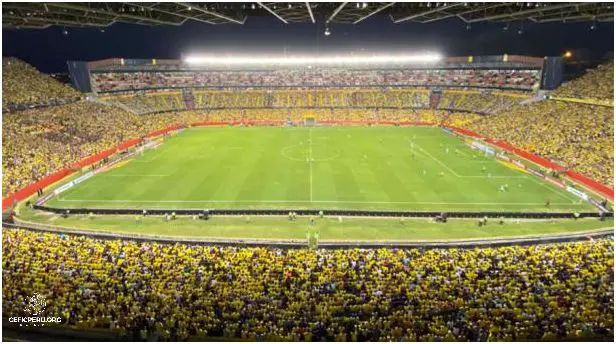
(561, 193)
(460, 152)
(435, 159)
(310, 159)
(459, 176)
(304, 201)
(137, 175)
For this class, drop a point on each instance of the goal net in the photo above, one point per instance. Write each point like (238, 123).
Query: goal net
(310, 121)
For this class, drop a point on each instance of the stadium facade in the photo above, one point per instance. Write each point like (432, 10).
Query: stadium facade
(505, 72)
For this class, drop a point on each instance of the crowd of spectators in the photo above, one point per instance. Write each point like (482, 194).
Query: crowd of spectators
(299, 115)
(596, 84)
(41, 141)
(155, 102)
(145, 103)
(577, 136)
(479, 102)
(24, 86)
(153, 291)
(524, 79)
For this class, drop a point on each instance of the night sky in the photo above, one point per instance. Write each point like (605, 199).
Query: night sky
(49, 49)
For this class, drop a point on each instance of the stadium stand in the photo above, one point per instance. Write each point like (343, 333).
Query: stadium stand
(40, 141)
(152, 291)
(484, 102)
(577, 136)
(155, 102)
(121, 81)
(597, 84)
(24, 86)
(146, 103)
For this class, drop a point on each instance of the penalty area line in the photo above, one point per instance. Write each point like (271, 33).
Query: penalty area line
(435, 159)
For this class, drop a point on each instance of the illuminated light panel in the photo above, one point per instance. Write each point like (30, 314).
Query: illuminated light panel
(312, 60)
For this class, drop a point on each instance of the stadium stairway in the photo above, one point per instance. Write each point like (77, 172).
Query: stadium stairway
(189, 99)
(435, 99)
(114, 104)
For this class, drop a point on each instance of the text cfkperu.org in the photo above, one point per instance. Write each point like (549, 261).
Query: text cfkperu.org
(35, 319)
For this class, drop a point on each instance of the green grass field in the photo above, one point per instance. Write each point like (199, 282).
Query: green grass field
(379, 168)
(328, 228)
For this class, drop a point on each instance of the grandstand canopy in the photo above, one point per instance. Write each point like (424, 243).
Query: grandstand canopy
(41, 15)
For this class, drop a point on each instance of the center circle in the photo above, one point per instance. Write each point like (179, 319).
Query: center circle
(301, 152)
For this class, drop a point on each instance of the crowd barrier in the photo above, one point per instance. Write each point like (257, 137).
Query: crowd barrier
(29, 190)
(584, 101)
(326, 244)
(324, 212)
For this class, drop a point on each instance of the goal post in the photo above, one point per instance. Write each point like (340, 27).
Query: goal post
(310, 121)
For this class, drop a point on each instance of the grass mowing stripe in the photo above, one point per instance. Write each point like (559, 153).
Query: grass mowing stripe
(437, 160)
(554, 190)
(348, 168)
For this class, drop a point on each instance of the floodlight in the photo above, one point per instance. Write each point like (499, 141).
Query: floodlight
(327, 32)
(312, 60)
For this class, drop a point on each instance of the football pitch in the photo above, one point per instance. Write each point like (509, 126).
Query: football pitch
(371, 168)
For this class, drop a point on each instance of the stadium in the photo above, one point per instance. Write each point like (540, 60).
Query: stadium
(306, 197)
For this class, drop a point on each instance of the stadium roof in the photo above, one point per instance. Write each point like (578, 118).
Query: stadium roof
(42, 15)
